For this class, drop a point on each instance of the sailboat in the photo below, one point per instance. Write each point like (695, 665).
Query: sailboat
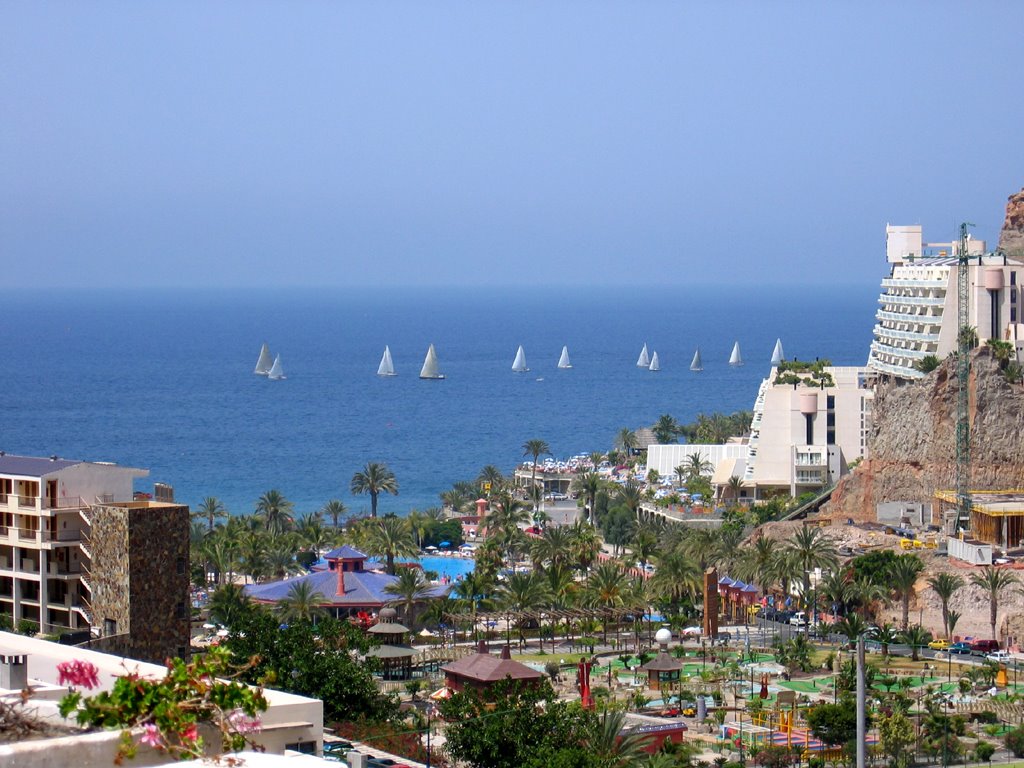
(696, 364)
(734, 358)
(276, 372)
(429, 369)
(519, 364)
(655, 365)
(777, 355)
(563, 361)
(265, 362)
(386, 367)
(643, 361)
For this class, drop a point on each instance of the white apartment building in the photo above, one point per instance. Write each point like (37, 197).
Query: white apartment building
(44, 508)
(918, 304)
(803, 437)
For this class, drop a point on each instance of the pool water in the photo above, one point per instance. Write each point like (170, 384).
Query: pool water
(452, 567)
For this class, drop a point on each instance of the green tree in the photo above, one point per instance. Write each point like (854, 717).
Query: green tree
(522, 592)
(391, 538)
(411, 589)
(697, 466)
(835, 724)
(335, 510)
(303, 603)
(902, 575)
(810, 548)
(606, 588)
(927, 364)
(375, 478)
(626, 441)
(665, 429)
(896, 736)
(229, 603)
(535, 449)
(210, 510)
(945, 585)
(587, 485)
(275, 511)
(994, 581)
(917, 637)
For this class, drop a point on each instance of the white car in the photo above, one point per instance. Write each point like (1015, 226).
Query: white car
(998, 656)
(692, 632)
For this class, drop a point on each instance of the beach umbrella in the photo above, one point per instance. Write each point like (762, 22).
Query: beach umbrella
(426, 633)
(442, 693)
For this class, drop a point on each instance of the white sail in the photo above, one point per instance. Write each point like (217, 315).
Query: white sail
(777, 355)
(265, 362)
(519, 364)
(563, 361)
(386, 367)
(696, 364)
(276, 372)
(734, 358)
(430, 368)
(655, 365)
(644, 361)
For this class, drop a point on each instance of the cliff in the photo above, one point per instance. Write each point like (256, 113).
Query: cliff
(912, 443)
(1011, 239)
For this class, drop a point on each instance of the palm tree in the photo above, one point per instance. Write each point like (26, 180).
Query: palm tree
(536, 449)
(944, 585)
(887, 635)
(993, 581)
(630, 494)
(279, 559)
(697, 466)
(315, 535)
(585, 543)
(587, 485)
(275, 511)
(228, 603)
(491, 476)
(853, 626)
(665, 429)
(612, 746)
(901, 577)
(374, 479)
(505, 516)
(523, 592)
(606, 588)
(626, 441)
(677, 579)
(211, 510)
(303, 603)
(419, 524)
(455, 499)
(390, 537)
(410, 588)
(734, 487)
(811, 549)
(334, 509)
(553, 547)
(916, 637)
(473, 591)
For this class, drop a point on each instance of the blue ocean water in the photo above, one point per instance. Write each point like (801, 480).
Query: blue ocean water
(164, 380)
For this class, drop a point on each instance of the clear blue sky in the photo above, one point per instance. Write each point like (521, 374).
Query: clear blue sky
(557, 143)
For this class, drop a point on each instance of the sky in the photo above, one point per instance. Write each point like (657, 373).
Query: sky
(367, 145)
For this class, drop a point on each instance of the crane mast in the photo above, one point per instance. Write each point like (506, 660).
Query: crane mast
(963, 378)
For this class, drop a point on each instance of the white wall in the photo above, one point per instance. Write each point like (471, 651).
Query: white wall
(89, 480)
(665, 458)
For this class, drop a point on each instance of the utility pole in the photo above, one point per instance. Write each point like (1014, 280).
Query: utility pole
(963, 379)
(861, 702)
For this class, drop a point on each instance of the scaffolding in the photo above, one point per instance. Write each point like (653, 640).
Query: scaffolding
(994, 516)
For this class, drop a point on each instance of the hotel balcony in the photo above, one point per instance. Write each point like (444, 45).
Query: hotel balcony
(810, 476)
(903, 371)
(923, 338)
(807, 456)
(934, 284)
(887, 350)
(912, 301)
(928, 318)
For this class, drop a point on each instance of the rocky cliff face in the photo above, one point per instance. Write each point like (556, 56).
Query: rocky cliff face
(912, 445)
(1011, 239)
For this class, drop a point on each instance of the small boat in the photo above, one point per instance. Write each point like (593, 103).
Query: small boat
(386, 367)
(276, 372)
(519, 364)
(734, 358)
(644, 361)
(777, 355)
(696, 364)
(655, 365)
(563, 361)
(430, 369)
(265, 362)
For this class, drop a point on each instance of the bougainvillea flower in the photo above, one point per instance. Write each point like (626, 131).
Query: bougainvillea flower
(83, 674)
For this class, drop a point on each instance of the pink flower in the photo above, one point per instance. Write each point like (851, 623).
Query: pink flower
(244, 724)
(151, 735)
(80, 673)
(190, 734)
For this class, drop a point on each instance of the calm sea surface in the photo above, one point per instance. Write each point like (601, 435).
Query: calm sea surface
(164, 381)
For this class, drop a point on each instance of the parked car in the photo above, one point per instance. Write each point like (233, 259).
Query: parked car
(984, 647)
(798, 619)
(670, 712)
(939, 644)
(1000, 657)
(959, 649)
(692, 632)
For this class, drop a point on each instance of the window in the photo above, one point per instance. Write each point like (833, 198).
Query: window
(830, 402)
(180, 609)
(109, 627)
(1013, 278)
(180, 565)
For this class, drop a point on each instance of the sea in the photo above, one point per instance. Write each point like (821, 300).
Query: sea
(163, 380)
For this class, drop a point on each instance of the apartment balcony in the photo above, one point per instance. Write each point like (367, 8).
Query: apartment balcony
(912, 301)
(28, 502)
(29, 567)
(909, 317)
(65, 502)
(64, 535)
(922, 338)
(880, 348)
(903, 371)
(28, 534)
(810, 477)
(897, 282)
(816, 459)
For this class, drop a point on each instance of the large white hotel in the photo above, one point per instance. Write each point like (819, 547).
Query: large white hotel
(918, 306)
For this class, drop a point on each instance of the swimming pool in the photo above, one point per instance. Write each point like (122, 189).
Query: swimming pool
(452, 567)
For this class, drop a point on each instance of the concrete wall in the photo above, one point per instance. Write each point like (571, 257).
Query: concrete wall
(665, 458)
(893, 512)
(90, 480)
(973, 552)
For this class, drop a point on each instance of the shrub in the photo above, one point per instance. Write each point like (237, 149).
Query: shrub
(27, 627)
(1014, 741)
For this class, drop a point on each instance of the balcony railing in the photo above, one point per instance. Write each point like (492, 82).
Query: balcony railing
(27, 534)
(65, 502)
(28, 502)
(65, 534)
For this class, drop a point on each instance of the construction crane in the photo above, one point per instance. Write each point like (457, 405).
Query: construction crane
(963, 379)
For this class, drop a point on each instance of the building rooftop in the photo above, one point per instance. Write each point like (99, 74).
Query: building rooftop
(33, 466)
(344, 552)
(484, 668)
